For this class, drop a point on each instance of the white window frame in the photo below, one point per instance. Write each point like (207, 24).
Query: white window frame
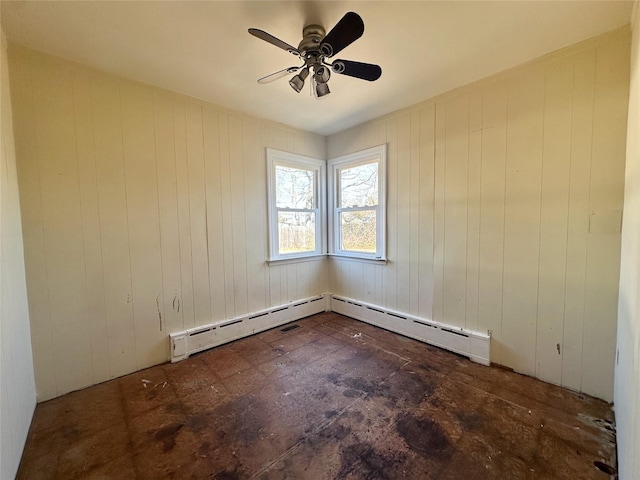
(378, 153)
(277, 158)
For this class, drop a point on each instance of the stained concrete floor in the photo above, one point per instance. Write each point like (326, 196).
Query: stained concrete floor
(333, 398)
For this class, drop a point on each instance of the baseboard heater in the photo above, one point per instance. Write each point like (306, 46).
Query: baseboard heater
(204, 337)
(471, 344)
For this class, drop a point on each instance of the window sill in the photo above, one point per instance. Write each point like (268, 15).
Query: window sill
(375, 261)
(286, 261)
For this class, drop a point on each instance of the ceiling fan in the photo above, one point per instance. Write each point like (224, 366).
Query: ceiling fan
(314, 50)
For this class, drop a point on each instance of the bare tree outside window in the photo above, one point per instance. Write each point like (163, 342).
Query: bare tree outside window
(294, 187)
(358, 192)
(295, 192)
(359, 186)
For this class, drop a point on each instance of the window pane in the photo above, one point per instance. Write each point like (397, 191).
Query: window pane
(359, 186)
(358, 231)
(294, 187)
(296, 232)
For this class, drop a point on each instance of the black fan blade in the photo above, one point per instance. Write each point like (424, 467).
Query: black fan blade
(347, 30)
(365, 71)
(267, 37)
(279, 74)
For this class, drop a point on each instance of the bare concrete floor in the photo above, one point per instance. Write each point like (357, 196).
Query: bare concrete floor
(332, 399)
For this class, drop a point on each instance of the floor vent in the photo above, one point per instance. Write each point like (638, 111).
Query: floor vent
(201, 338)
(474, 345)
(289, 328)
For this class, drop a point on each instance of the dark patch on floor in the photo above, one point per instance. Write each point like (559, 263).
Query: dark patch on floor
(201, 421)
(227, 475)
(167, 435)
(336, 432)
(402, 387)
(424, 436)
(469, 421)
(244, 419)
(362, 460)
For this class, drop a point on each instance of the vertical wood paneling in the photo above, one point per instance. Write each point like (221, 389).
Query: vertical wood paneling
(185, 305)
(627, 364)
(356, 280)
(227, 218)
(255, 173)
(114, 229)
(426, 210)
(522, 218)
(143, 215)
(138, 140)
(94, 273)
(492, 206)
(553, 219)
(578, 221)
(391, 277)
(238, 226)
(414, 213)
(511, 210)
(213, 212)
(32, 225)
(337, 277)
(403, 213)
(62, 216)
(369, 283)
(274, 285)
(198, 214)
(291, 280)
(605, 203)
(168, 211)
(276, 138)
(455, 179)
(474, 174)
(439, 211)
(17, 387)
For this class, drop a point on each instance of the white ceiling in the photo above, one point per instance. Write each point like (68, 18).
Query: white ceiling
(202, 48)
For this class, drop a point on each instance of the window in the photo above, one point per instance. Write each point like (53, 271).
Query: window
(357, 204)
(296, 205)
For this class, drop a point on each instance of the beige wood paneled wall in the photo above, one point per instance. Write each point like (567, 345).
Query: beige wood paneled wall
(144, 213)
(627, 372)
(504, 212)
(17, 385)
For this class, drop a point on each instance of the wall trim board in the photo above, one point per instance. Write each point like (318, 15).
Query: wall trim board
(474, 345)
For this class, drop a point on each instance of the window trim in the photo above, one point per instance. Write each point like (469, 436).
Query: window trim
(292, 160)
(378, 153)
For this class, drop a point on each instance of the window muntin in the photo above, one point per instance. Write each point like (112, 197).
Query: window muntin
(356, 204)
(296, 205)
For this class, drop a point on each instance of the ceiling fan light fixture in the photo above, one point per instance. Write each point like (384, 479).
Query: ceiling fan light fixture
(322, 74)
(322, 89)
(297, 82)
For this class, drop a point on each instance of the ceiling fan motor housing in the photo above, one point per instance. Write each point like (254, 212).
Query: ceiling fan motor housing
(312, 35)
